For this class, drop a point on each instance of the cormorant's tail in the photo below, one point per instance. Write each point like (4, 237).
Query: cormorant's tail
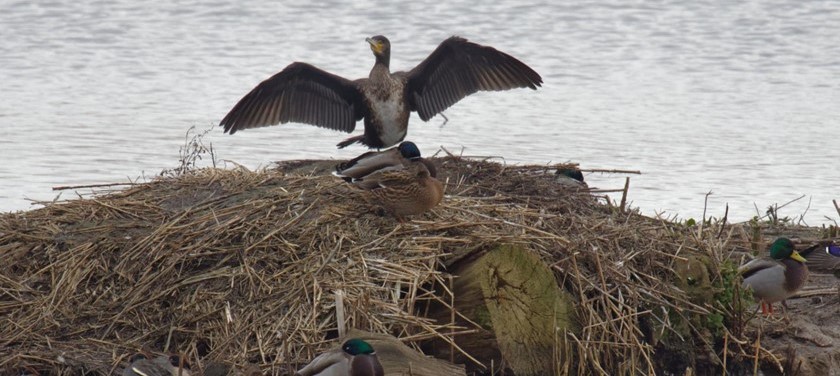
(350, 141)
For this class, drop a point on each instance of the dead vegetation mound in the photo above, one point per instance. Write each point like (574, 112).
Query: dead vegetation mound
(244, 267)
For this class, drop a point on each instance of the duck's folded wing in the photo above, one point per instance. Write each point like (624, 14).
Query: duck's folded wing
(368, 163)
(386, 177)
(823, 256)
(757, 265)
(457, 68)
(299, 93)
(331, 363)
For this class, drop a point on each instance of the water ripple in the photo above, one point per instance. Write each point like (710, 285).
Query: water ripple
(738, 98)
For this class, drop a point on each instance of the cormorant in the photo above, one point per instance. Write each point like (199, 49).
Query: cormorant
(306, 94)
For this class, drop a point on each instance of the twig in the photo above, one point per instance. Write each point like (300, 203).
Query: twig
(825, 291)
(624, 194)
(705, 206)
(65, 187)
(757, 351)
(605, 190)
(725, 348)
(723, 222)
(339, 313)
(775, 208)
(802, 216)
(555, 236)
(612, 171)
(451, 318)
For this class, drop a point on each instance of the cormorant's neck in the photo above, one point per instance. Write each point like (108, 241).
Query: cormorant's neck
(380, 70)
(384, 60)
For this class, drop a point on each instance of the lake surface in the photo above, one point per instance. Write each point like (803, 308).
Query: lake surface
(738, 98)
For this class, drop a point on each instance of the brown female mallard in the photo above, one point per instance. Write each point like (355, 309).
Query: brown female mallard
(775, 278)
(397, 179)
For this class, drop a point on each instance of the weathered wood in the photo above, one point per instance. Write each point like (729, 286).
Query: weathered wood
(523, 313)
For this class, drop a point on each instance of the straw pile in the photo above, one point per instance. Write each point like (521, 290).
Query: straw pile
(244, 267)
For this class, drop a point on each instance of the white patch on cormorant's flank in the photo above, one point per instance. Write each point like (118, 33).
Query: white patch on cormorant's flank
(388, 113)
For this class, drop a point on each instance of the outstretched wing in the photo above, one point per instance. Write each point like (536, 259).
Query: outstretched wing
(458, 68)
(299, 93)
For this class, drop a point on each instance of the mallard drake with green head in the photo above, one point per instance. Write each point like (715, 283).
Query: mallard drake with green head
(775, 278)
(355, 358)
(172, 365)
(823, 256)
(305, 94)
(395, 158)
(570, 177)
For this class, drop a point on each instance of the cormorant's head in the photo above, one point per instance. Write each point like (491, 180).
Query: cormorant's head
(380, 46)
(783, 248)
(409, 150)
(357, 346)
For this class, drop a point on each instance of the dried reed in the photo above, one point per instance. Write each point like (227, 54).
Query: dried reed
(245, 266)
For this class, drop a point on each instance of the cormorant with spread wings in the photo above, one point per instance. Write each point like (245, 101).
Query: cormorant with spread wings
(305, 94)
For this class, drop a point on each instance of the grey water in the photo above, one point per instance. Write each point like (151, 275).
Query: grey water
(740, 98)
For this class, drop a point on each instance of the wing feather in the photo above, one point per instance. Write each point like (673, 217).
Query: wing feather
(299, 93)
(329, 363)
(458, 68)
(758, 265)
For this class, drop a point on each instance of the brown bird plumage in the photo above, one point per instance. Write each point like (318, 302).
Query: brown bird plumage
(397, 179)
(410, 191)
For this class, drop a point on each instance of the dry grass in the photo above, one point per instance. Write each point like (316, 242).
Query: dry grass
(244, 266)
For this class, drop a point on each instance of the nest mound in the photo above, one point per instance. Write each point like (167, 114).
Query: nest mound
(244, 267)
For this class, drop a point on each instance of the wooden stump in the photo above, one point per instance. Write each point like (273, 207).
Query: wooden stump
(522, 312)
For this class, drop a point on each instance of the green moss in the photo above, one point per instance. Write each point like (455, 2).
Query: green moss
(711, 285)
(482, 317)
(715, 323)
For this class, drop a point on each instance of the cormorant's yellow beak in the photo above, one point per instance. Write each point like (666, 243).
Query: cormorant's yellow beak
(796, 256)
(375, 46)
